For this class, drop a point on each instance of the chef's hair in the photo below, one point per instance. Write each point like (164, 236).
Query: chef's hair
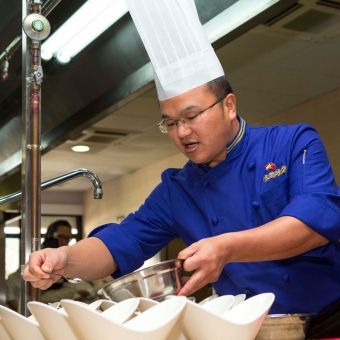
(53, 227)
(220, 87)
(50, 240)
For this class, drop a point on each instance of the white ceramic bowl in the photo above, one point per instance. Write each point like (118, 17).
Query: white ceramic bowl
(18, 327)
(220, 305)
(122, 311)
(3, 333)
(54, 323)
(241, 323)
(154, 324)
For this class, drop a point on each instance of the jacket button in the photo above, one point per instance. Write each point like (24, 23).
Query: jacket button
(215, 220)
(255, 204)
(251, 166)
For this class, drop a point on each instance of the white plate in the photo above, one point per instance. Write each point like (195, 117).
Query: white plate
(242, 324)
(153, 324)
(101, 304)
(122, 311)
(53, 322)
(3, 333)
(18, 327)
(238, 299)
(146, 303)
(209, 298)
(90, 324)
(105, 304)
(157, 322)
(220, 304)
(250, 309)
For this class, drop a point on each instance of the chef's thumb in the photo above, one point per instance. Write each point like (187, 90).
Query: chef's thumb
(48, 266)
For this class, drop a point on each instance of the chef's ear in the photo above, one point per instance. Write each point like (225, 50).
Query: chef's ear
(229, 106)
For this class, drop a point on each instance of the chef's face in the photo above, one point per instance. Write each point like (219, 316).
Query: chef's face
(202, 139)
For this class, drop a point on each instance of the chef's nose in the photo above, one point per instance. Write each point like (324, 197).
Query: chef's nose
(183, 129)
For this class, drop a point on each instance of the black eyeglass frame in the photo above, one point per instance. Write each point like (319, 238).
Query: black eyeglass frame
(164, 128)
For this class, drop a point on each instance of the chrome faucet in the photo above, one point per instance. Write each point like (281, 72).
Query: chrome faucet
(97, 185)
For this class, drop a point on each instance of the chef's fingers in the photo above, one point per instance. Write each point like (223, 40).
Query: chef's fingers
(43, 284)
(187, 252)
(33, 271)
(192, 263)
(41, 264)
(196, 281)
(34, 274)
(52, 261)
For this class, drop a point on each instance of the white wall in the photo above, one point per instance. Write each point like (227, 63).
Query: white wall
(125, 194)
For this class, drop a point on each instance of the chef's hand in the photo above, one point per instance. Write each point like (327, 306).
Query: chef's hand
(43, 265)
(206, 258)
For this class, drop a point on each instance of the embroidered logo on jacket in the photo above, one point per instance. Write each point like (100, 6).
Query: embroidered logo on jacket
(270, 166)
(275, 171)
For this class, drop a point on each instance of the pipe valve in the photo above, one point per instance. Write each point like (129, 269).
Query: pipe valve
(36, 27)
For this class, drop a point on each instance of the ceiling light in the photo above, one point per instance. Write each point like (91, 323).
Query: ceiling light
(234, 16)
(80, 148)
(84, 26)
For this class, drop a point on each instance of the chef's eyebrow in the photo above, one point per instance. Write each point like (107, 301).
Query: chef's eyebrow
(186, 109)
(164, 115)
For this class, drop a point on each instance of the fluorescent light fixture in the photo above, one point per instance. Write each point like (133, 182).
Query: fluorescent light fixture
(84, 26)
(12, 230)
(96, 16)
(80, 148)
(234, 16)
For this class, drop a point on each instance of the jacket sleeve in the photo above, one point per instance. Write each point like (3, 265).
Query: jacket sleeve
(314, 194)
(141, 234)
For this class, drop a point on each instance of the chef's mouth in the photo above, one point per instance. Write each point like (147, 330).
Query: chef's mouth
(190, 147)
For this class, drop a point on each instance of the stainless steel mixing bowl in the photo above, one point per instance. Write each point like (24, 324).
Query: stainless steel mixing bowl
(154, 282)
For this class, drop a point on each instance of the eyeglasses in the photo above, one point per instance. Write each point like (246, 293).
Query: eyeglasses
(167, 125)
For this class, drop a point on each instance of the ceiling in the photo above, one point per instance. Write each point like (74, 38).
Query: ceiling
(111, 70)
(273, 68)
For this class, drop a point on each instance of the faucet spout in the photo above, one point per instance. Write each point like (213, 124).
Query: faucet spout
(97, 185)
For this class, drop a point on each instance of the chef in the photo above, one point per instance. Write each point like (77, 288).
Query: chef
(258, 207)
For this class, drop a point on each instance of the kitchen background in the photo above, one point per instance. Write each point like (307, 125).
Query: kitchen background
(284, 68)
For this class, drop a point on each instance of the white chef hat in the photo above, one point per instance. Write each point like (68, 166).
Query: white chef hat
(179, 50)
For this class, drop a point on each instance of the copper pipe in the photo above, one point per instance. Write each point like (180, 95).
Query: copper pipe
(31, 165)
(35, 149)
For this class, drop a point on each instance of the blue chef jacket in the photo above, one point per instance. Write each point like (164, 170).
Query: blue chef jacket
(269, 172)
